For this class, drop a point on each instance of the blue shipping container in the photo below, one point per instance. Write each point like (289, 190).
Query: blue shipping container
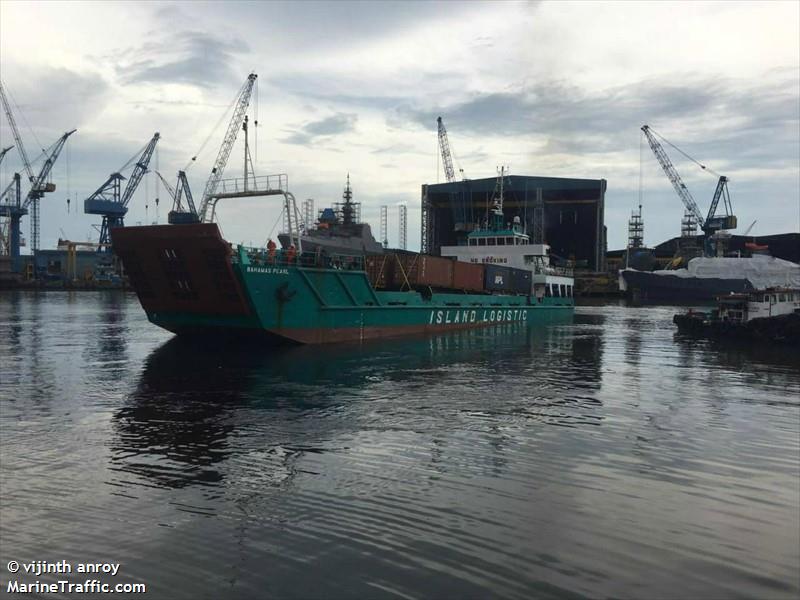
(521, 281)
(498, 279)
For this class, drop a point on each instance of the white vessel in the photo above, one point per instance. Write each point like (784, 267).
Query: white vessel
(774, 302)
(506, 244)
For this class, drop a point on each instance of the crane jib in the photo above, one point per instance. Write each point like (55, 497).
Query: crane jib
(227, 144)
(711, 222)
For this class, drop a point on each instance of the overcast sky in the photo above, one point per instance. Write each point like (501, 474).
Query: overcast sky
(550, 89)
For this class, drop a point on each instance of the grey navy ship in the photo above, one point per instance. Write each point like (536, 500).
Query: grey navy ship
(338, 230)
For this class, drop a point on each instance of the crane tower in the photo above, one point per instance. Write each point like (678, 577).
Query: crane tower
(711, 223)
(109, 202)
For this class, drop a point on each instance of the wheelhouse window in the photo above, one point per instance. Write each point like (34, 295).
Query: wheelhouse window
(481, 241)
(491, 241)
(501, 241)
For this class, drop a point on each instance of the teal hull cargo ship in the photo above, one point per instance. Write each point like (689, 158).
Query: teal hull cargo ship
(189, 280)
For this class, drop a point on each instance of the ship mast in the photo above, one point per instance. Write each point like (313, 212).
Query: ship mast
(348, 209)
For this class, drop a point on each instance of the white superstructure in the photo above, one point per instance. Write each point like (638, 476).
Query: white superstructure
(509, 246)
(759, 304)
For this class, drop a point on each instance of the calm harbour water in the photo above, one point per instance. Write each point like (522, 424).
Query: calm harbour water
(604, 456)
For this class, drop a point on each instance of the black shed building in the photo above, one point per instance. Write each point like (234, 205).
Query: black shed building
(565, 213)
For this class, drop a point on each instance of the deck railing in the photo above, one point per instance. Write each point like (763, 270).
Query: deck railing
(549, 270)
(284, 257)
(263, 183)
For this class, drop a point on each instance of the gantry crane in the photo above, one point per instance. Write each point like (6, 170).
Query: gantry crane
(178, 214)
(39, 184)
(711, 223)
(110, 203)
(14, 208)
(42, 185)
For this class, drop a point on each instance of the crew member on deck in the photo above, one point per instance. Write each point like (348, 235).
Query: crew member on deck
(290, 254)
(271, 251)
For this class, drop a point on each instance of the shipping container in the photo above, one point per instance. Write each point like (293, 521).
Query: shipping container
(379, 268)
(468, 276)
(420, 270)
(498, 279)
(521, 281)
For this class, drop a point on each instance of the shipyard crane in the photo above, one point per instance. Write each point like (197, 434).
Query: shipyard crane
(711, 223)
(39, 183)
(110, 202)
(15, 132)
(447, 157)
(16, 208)
(178, 215)
(227, 144)
(167, 186)
(3, 153)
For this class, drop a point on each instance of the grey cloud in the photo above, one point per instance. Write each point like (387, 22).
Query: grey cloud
(400, 148)
(333, 125)
(577, 122)
(80, 97)
(311, 26)
(190, 57)
(556, 107)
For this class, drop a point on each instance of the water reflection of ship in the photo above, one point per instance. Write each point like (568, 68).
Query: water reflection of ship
(338, 230)
(192, 404)
(108, 350)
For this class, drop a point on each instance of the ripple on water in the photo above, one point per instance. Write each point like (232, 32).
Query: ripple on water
(605, 456)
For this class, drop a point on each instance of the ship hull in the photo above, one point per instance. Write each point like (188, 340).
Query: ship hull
(247, 295)
(647, 286)
(334, 244)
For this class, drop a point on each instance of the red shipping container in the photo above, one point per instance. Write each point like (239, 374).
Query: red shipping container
(379, 270)
(420, 270)
(468, 276)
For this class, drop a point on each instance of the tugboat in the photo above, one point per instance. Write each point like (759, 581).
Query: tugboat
(338, 231)
(771, 314)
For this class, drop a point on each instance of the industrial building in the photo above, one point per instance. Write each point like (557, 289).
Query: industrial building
(565, 213)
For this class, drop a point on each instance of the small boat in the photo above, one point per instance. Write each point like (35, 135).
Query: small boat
(771, 314)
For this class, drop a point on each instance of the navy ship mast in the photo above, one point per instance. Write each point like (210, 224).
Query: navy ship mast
(348, 208)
